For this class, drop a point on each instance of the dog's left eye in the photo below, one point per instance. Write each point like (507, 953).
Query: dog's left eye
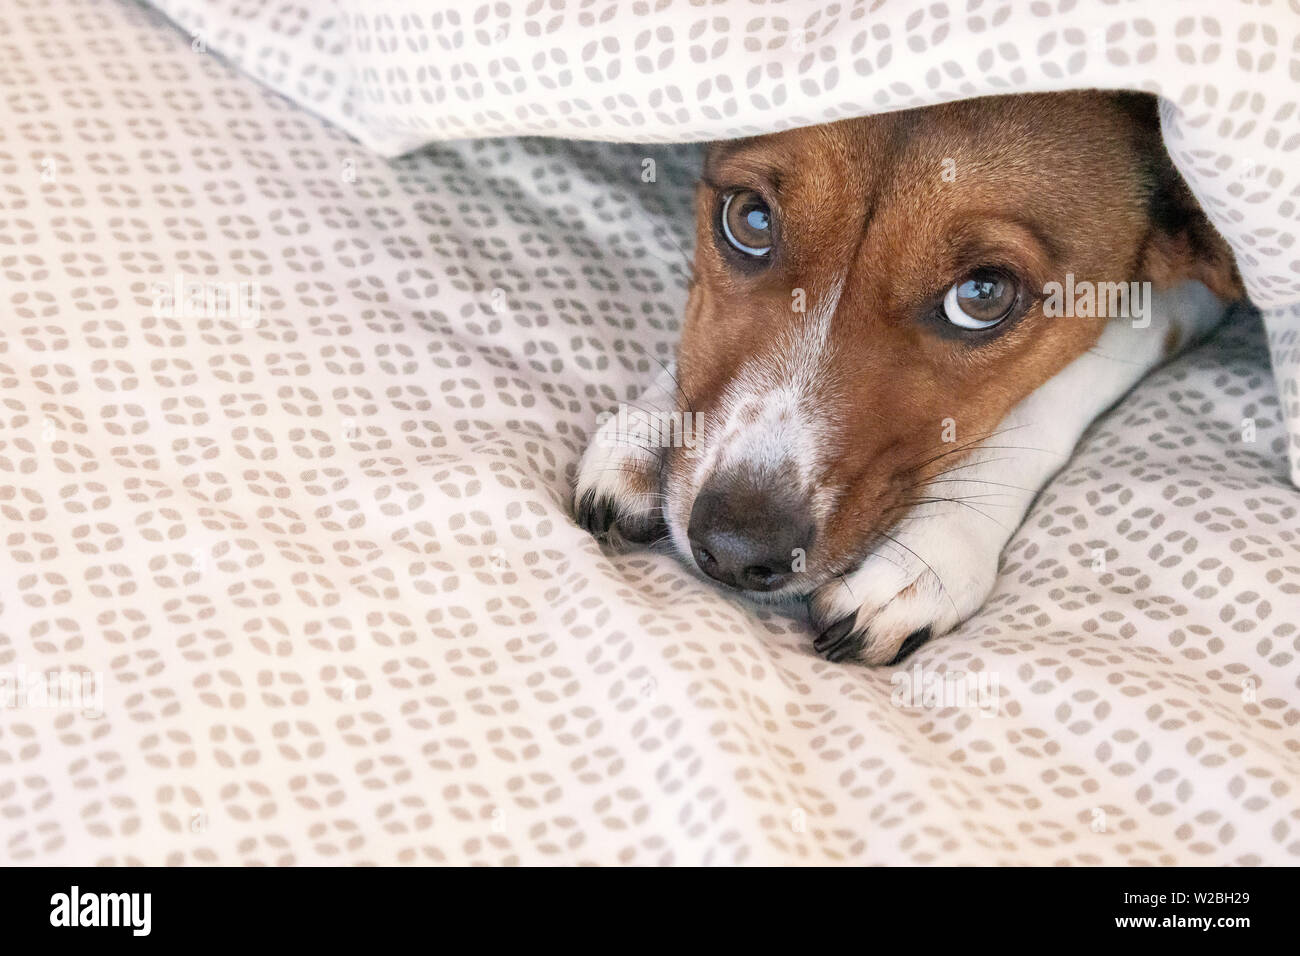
(981, 300)
(747, 222)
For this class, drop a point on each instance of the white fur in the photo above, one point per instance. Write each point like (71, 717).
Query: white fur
(613, 460)
(897, 590)
(769, 418)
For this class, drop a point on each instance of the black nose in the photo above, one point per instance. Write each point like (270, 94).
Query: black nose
(748, 533)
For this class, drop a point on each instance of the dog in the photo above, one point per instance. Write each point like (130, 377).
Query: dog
(897, 329)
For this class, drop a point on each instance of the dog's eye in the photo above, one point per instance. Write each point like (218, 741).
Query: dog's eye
(747, 222)
(981, 300)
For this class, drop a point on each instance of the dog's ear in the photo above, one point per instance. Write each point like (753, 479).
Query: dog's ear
(1182, 244)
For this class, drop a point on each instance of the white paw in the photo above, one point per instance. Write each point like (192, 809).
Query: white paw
(616, 495)
(936, 573)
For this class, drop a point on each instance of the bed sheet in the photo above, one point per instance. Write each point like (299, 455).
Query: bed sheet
(287, 436)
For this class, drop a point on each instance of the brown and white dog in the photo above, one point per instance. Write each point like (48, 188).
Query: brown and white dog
(876, 356)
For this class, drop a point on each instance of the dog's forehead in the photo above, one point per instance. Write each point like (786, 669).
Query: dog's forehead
(1028, 181)
(849, 192)
(860, 150)
(829, 158)
(1018, 143)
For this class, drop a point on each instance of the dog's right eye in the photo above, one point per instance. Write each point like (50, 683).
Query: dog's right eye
(981, 300)
(747, 222)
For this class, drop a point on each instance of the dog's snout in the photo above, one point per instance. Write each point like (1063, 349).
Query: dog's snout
(749, 534)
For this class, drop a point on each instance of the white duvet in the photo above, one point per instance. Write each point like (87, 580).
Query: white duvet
(295, 544)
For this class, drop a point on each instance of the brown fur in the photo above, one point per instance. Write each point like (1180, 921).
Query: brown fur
(1044, 185)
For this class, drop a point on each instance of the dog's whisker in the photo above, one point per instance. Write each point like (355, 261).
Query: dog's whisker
(979, 481)
(969, 464)
(690, 406)
(1045, 451)
(962, 447)
(1112, 358)
(630, 471)
(939, 499)
(641, 443)
(942, 589)
(966, 504)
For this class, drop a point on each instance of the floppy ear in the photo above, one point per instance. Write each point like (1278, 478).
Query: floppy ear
(1181, 243)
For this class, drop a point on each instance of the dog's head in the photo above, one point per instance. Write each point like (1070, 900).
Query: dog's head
(862, 287)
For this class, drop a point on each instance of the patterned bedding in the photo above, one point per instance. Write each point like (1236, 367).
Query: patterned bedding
(287, 433)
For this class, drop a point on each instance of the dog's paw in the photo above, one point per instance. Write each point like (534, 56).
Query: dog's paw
(936, 573)
(616, 496)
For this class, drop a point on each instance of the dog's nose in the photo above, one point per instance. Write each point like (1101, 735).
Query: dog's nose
(749, 534)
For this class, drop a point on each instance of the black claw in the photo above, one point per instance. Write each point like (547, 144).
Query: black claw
(839, 642)
(914, 640)
(845, 651)
(642, 529)
(594, 514)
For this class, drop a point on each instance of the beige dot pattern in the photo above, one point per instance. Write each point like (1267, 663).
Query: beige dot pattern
(414, 71)
(319, 557)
